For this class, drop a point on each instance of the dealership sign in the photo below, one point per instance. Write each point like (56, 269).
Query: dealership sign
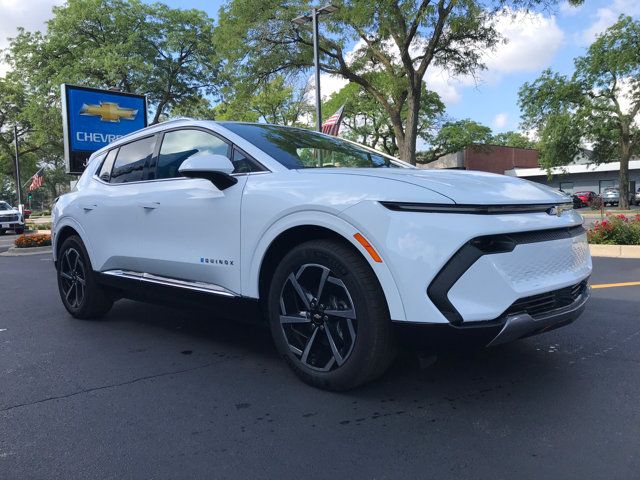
(92, 118)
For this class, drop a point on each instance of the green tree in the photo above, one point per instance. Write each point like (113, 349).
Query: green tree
(455, 136)
(512, 139)
(368, 123)
(597, 105)
(401, 38)
(164, 53)
(278, 101)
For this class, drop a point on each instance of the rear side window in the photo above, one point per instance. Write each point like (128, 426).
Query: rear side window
(178, 145)
(105, 170)
(131, 159)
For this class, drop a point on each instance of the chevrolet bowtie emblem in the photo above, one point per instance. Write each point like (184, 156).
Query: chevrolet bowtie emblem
(108, 112)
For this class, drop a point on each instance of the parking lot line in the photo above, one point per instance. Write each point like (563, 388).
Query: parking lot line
(612, 285)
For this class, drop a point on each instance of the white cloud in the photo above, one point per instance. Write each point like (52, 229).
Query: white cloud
(31, 15)
(532, 42)
(605, 17)
(500, 120)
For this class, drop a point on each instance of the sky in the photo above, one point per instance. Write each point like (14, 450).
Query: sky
(534, 42)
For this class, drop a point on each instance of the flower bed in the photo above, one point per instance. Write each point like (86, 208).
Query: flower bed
(38, 240)
(616, 230)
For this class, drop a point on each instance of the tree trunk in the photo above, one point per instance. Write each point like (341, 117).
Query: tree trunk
(624, 176)
(408, 145)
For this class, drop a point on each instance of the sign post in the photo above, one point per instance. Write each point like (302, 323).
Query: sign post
(93, 118)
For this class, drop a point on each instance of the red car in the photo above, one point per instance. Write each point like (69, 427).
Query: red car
(586, 198)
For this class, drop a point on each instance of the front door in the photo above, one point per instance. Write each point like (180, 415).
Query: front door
(191, 229)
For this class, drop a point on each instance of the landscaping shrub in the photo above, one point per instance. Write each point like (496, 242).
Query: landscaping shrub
(38, 240)
(616, 230)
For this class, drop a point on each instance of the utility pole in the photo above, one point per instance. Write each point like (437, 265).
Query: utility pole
(17, 169)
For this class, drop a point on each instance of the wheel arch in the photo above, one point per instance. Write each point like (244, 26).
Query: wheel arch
(292, 231)
(65, 229)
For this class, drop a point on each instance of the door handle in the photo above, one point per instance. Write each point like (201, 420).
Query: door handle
(89, 206)
(150, 205)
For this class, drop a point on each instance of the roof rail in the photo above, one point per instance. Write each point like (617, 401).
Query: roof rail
(177, 119)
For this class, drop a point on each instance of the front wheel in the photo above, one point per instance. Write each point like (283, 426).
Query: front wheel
(328, 316)
(19, 231)
(81, 294)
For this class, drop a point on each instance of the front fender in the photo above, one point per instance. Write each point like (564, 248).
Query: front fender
(255, 254)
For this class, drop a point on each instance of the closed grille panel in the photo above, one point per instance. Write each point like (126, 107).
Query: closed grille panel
(8, 218)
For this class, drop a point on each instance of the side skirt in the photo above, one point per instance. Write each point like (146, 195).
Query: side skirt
(217, 305)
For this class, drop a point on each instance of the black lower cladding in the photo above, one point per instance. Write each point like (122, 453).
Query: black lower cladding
(477, 247)
(537, 305)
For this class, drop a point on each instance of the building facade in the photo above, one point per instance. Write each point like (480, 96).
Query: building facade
(580, 175)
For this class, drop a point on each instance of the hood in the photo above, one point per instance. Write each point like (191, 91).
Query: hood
(462, 186)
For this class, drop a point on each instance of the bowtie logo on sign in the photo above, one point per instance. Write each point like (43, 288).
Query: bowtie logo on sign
(108, 112)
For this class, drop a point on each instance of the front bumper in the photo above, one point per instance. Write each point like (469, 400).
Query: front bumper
(508, 328)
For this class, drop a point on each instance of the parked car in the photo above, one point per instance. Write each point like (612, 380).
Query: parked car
(10, 219)
(611, 196)
(344, 249)
(636, 197)
(26, 212)
(586, 198)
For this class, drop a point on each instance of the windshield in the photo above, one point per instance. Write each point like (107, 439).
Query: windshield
(299, 148)
(5, 206)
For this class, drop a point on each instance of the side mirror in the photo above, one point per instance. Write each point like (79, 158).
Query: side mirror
(215, 168)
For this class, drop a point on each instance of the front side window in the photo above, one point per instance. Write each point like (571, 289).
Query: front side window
(178, 145)
(299, 148)
(130, 160)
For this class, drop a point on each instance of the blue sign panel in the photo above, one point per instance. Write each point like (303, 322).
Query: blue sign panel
(95, 118)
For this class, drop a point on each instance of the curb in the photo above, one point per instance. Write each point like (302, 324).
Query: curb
(19, 252)
(620, 251)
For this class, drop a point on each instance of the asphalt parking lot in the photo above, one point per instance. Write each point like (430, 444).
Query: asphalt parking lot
(155, 392)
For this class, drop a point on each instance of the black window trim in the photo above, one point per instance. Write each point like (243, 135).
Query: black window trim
(154, 158)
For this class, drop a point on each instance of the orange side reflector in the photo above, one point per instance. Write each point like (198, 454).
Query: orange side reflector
(367, 246)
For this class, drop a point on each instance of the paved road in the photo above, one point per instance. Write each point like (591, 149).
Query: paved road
(153, 392)
(6, 241)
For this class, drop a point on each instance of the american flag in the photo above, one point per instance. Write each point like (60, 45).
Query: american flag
(331, 125)
(36, 180)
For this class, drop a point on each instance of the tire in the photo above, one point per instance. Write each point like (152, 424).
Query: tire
(2, 232)
(80, 292)
(19, 231)
(341, 338)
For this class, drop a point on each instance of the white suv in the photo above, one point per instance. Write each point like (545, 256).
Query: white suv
(10, 219)
(342, 248)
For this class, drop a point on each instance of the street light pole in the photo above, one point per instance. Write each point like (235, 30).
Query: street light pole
(313, 18)
(316, 62)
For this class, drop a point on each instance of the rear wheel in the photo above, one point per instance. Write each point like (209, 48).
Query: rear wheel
(80, 292)
(329, 317)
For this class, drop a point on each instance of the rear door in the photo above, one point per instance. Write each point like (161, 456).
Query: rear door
(112, 216)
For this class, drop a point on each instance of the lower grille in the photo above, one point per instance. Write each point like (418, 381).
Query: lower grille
(537, 305)
(8, 218)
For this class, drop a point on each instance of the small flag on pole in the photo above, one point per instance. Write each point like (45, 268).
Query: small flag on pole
(331, 125)
(36, 181)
